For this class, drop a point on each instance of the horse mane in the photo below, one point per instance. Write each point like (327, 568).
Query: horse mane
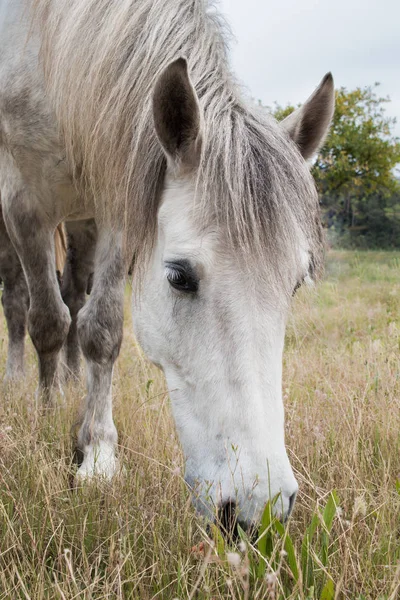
(101, 62)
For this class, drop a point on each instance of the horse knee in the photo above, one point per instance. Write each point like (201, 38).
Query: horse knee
(48, 328)
(100, 333)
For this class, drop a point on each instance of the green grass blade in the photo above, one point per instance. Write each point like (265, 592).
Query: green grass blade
(328, 593)
(289, 549)
(306, 558)
(330, 510)
(265, 541)
(327, 518)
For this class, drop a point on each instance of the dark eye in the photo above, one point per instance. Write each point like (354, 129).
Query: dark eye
(181, 278)
(296, 287)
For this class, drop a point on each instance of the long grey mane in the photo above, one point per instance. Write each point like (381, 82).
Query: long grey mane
(102, 59)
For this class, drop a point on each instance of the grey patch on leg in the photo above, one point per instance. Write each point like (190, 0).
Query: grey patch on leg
(100, 322)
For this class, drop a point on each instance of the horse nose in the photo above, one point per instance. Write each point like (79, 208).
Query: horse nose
(292, 501)
(227, 519)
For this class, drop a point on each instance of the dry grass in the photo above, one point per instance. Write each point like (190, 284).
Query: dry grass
(132, 539)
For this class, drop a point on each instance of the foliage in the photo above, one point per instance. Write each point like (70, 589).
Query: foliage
(355, 169)
(361, 152)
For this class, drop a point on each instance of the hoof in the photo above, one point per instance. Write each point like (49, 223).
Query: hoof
(99, 462)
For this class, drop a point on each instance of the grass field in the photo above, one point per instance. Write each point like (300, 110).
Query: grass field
(133, 538)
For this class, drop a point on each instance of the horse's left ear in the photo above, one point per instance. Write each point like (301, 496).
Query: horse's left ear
(176, 114)
(309, 124)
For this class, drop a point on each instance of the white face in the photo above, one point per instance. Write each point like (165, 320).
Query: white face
(220, 345)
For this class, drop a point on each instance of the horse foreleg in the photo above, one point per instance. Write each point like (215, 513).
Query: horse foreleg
(15, 300)
(100, 324)
(82, 236)
(32, 235)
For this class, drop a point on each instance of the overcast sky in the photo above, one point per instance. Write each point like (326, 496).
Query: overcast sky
(283, 48)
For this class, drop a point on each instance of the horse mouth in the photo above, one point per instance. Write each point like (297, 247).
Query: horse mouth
(229, 523)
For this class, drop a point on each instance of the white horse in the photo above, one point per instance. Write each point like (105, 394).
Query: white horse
(101, 117)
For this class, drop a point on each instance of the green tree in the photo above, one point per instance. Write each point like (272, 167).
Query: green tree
(355, 169)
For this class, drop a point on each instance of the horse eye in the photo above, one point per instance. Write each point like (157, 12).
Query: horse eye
(296, 287)
(181, 280)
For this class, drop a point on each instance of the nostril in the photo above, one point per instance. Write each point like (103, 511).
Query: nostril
(292, 501)
(227, 518)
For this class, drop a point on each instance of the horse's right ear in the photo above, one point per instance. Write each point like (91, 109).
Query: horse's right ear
(308, 126)
(176, 114)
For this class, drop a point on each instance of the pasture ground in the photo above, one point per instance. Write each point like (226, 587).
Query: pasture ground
(133, 538)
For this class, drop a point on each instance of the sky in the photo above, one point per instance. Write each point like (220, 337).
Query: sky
(282, 49)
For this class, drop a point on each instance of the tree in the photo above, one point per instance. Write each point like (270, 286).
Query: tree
(356, 166)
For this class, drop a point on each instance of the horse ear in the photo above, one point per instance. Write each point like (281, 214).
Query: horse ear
(176, 114)
(309, 124)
